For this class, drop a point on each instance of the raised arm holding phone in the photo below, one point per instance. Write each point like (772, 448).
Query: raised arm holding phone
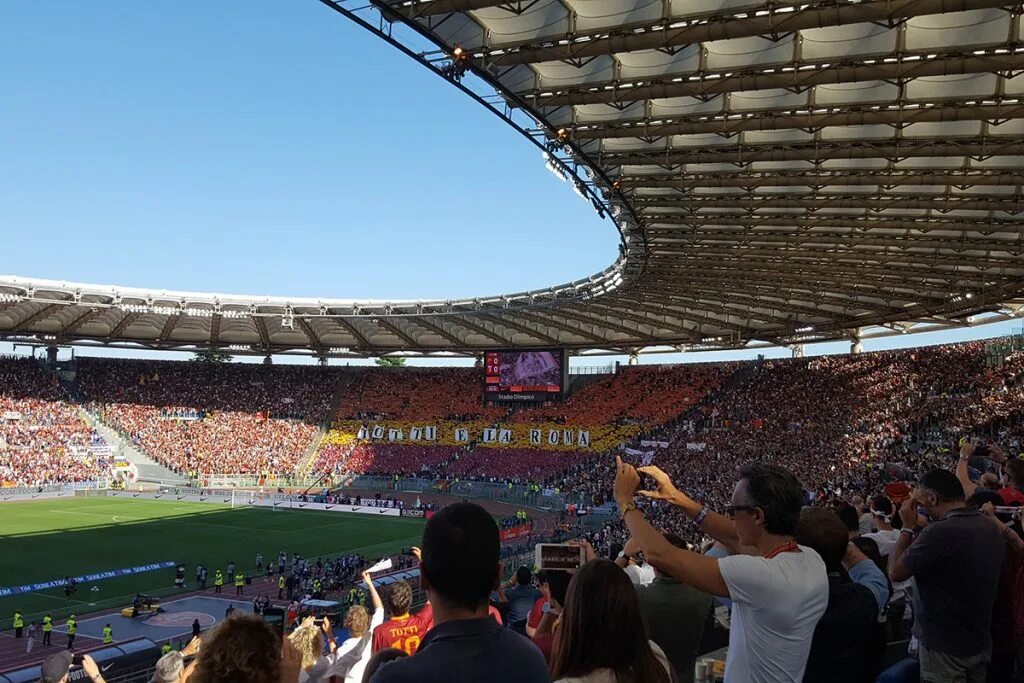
(778, 596)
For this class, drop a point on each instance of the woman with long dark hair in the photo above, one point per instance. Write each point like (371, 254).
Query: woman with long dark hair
(602, 638)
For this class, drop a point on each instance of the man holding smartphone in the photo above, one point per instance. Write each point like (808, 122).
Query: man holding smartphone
(779, 589)
(520, 595)
(955, 561)
(55, 668)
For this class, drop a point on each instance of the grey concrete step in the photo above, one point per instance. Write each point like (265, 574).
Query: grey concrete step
(149, 469)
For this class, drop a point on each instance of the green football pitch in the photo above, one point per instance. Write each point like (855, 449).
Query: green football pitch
(49, 539)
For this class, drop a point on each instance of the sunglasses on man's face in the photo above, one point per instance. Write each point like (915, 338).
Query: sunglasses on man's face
(731, 510)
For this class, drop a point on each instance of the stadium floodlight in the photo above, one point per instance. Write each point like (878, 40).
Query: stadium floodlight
(458, 65)
(553, 167)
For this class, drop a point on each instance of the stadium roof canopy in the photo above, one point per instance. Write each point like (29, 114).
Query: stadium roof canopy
(779, 173)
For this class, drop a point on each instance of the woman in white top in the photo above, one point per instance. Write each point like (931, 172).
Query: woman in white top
(603, 639)
(347, 660)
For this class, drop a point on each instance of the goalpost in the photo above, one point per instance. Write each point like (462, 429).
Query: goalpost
(246, 499)
(253, 499)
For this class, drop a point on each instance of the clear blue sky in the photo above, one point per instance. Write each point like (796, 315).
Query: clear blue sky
(265, 147)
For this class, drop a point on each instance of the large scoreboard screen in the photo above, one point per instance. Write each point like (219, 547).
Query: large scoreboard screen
(524, 376)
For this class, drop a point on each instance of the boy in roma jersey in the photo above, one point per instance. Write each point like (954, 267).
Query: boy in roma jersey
(402, 631)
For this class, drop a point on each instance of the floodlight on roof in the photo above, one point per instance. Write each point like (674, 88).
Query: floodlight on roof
(458, 65)
(555, 170)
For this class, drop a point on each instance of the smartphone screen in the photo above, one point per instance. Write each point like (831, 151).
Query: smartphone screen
(559, 556)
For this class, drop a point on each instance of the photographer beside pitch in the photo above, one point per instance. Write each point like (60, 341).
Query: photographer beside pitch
(779, 589)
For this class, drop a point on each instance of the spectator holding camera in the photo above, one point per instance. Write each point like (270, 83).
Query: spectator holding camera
(779, 591)
(460, 567)
(520, 596)
(55, 668)
(955, 561)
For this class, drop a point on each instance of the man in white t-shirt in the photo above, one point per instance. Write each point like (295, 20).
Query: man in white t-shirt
(779, 589)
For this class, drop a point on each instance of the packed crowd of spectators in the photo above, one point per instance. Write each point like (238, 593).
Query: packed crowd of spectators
(44, 438)
(648, 395)
(611, 409)
(386, 459)
(867, 412)
(515, 465)
(416, 394)
(644, 395)
(842, 519)
(924, 586)
(211, 417)
(845, 423)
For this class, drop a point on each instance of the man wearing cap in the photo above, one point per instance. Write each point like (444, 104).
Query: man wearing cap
(218, 581)
(55, 668)
(72, 627)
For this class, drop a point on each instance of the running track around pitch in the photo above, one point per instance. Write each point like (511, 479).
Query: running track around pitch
(12, 650)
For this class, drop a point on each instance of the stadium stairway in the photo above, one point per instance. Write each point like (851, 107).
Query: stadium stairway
(149, 470)
(305, 466)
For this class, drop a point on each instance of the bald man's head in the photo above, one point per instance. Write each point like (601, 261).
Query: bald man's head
(989, 481)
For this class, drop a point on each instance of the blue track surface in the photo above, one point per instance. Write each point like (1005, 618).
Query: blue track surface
(175, 621)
